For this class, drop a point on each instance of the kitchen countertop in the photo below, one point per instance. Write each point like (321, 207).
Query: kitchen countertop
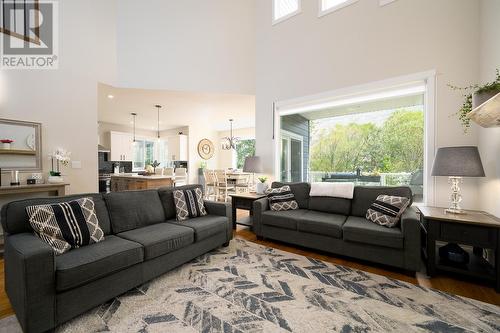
(133, 176)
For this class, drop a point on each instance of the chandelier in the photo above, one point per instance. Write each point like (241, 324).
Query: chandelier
(230, 142)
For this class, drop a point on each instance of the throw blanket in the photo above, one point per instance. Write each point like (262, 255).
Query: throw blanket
(336, 190)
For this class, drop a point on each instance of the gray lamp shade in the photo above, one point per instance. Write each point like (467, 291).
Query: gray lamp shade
(252, 164)
(458, 162)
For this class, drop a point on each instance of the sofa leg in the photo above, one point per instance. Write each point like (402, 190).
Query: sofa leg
(260, 238)
(225, 244)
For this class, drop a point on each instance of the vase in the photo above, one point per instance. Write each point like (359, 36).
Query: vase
(55, 179)
(6, 145)
(260, 188)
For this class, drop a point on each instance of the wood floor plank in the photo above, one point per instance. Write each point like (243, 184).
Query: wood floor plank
(444, 283)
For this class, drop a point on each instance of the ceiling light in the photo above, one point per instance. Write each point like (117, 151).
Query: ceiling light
(158, 124)
(111, 96)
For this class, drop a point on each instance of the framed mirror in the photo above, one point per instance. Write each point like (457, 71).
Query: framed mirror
(20, 145)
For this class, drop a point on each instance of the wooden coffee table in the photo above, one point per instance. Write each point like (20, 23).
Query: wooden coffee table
(244, 201)
(476, 230)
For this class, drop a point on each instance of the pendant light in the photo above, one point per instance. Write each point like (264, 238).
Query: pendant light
(230, 142)
(134, 115)
(158, 107)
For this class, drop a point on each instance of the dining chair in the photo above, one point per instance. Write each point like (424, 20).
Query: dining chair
(243, 183)
(168, 172)
(159, 171)
(222, 187)
(180, 176)
(210, 184)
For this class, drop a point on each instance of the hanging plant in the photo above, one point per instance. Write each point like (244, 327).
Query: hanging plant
(469, 93)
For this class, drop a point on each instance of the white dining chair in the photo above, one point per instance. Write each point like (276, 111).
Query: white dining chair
(243, 183)
(181, 177)
(223, 187)
(210, 184)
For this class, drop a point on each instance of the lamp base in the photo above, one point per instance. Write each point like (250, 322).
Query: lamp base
(455, 196)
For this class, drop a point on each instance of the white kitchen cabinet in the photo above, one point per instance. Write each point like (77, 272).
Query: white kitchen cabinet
(120, 146)
(178, 147)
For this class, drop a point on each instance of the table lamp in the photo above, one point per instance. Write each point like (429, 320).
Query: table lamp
(252, 165)
(456, 163)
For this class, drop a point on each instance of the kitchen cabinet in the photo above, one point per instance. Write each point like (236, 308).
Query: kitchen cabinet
(178, 147)
(121, 146)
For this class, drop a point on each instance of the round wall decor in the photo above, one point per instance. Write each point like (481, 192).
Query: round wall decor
(206, 149)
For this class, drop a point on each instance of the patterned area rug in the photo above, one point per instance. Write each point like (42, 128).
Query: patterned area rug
(250, 288)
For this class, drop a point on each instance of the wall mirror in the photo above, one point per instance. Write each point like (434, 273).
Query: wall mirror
(20, 145)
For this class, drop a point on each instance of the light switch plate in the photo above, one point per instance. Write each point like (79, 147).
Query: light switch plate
(76, 164)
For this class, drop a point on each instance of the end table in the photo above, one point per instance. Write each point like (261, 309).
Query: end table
(476, 230)
(244, 201)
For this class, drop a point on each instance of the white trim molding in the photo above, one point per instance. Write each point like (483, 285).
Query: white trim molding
(423, 82)
(286, 17)
(322, 12)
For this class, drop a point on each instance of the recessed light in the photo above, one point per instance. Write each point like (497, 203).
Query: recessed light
(111, 96)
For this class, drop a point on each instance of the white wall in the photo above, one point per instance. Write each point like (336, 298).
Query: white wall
(489, 138)
(225, 158)
(363, 43)
(191, 45)
(65, 100)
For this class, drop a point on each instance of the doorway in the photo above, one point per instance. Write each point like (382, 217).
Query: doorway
(291, 157)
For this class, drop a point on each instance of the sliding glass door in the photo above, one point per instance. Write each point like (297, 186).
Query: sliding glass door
(291, 157)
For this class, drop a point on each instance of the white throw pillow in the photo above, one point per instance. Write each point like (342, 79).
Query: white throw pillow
(336, 190)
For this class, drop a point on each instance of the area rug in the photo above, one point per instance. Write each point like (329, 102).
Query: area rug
(250, 288)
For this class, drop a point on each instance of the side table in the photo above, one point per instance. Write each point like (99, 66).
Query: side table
(244, 201)
(474, 230)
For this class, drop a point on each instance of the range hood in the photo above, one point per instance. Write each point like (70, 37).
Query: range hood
(102, 149)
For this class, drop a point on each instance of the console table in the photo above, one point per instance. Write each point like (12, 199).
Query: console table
(244, 201)
(57, 189)
(474, 230)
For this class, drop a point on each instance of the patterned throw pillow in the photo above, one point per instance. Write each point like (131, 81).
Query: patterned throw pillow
(386, 210)
(281, 198)
(189, 203)
(66, 225)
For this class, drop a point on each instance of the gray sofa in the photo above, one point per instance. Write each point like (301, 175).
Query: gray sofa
(142, 241)
(339, 226)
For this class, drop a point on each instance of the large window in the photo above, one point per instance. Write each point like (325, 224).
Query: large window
(375, 140)
(244, 149)
(146, 151)
(328, 6)
(283, 9)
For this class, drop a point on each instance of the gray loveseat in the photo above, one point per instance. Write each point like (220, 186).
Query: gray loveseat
(142, 241)
(339, 226)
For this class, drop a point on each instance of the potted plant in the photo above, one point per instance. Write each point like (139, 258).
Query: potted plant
(261, 186)
(474, 96)
(60, 156)
(6, 143)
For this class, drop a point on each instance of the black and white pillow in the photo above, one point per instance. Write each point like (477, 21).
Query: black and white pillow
(189, 203)
(282, 198)
(387, 210)
(66, 225)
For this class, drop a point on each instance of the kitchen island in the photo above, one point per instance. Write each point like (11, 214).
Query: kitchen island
(129, 182)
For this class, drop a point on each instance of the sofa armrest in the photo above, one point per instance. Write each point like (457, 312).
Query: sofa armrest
(221, 209)
(259, 206)
(410, 226)
(30, 281)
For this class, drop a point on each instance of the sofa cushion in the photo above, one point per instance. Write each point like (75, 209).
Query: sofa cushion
(15, 219)
(321, 223)
(359, 229)
(286, 219)
(92, 262)
(364, 196)
(167, 198)
(204, 226)
(300, 191)
(159, 239)
(330, 205)
(134, 209)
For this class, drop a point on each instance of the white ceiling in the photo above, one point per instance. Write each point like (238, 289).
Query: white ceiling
(179, 108)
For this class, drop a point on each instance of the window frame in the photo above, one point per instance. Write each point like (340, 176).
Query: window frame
(287, 16)
(322, 12)
(156, 151)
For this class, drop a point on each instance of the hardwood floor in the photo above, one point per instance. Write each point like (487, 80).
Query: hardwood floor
(444, 283)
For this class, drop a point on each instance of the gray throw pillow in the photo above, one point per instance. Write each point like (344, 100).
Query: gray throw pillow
(189, 203)
(281, 198)
(66, 225)
(387, 210)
